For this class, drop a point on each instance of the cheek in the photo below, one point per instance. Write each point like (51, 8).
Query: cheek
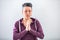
(23, 13)
(30, 13)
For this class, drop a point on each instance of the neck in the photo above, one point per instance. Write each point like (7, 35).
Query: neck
(26, 18)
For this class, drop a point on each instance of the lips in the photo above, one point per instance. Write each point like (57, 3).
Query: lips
(27, 15)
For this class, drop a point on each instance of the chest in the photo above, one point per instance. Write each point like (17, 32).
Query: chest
(32, 26)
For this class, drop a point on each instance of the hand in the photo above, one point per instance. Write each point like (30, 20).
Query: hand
(28, 26)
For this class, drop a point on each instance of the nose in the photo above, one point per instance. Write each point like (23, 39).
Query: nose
(27, 12)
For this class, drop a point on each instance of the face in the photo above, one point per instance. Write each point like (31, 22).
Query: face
(27, 12)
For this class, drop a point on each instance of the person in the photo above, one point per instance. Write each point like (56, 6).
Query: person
(27, 28)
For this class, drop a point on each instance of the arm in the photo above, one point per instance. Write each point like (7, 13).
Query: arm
(39, 32)
(16, 33)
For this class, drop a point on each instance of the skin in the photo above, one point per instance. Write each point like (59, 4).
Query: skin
(27, 12)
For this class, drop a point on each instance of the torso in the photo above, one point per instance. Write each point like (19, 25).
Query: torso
(28, 36)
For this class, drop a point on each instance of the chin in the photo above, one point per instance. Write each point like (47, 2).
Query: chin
(27, 17)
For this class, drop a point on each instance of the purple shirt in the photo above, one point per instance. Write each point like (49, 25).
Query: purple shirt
(36, 31)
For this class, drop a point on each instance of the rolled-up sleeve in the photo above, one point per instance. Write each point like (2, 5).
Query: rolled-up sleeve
(16, 33)
(39, 33)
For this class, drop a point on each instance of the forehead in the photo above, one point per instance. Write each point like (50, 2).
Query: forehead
(27, 8)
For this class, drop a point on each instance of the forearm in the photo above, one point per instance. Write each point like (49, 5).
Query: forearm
(19, 35)
(37, 34)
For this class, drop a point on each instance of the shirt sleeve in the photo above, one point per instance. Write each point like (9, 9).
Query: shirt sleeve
(39, 33)
(16, 33)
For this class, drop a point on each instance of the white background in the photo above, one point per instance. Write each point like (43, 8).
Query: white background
(46, 11)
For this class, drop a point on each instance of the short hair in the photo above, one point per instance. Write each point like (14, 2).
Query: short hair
(27, 4)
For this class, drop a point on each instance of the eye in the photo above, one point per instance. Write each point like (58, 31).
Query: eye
(29, 10)
(26, 11)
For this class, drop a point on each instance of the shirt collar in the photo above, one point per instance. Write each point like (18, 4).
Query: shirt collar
(33, 20)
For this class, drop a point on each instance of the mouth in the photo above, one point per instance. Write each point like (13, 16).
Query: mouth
(27, 15)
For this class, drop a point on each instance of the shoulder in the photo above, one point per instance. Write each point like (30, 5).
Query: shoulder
(35, 20)
(17, 22)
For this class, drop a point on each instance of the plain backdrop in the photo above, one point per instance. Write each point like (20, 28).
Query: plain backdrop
(46, 11)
